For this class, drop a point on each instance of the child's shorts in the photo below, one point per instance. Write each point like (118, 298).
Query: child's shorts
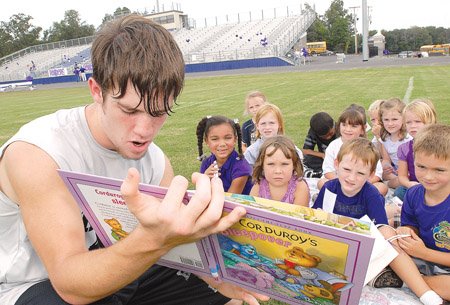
(427, 268)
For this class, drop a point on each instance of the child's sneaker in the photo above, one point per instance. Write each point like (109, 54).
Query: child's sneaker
(386, 278)
(310, 173)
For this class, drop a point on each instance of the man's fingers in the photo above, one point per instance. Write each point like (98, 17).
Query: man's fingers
(227, 221)
(252, 298)
(173, 200)
(130, 186)
(201, 198)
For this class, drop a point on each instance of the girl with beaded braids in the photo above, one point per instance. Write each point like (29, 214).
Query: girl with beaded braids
(221, 135)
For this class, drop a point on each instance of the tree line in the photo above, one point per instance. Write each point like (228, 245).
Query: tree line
(336, 27)
(19, 32)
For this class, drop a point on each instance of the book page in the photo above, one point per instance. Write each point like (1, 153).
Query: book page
(103, 205)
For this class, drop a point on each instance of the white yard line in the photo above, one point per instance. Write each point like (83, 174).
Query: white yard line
(409, 90)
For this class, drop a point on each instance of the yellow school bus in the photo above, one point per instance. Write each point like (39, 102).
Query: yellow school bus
(436, 49)
(317, 47)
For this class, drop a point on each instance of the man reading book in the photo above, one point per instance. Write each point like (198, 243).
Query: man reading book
(49, 254)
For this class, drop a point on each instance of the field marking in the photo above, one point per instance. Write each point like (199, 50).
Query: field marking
(409, 90)
(223, 97)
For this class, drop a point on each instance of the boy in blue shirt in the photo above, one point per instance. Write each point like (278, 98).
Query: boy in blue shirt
(351, 194)
(425, 218)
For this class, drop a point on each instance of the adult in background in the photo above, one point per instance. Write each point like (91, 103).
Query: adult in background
(50, 255)
(82, 74)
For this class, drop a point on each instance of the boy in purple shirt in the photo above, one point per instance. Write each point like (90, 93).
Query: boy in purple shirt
(425, 219)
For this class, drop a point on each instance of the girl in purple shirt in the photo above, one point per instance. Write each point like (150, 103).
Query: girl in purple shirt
(416, 115)
(221, 135)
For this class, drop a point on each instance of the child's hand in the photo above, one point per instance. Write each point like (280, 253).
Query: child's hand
(376, 128)
(413, 245)
(212, 170)
(387, 168)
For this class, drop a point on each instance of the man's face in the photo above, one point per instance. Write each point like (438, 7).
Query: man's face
(125, 128)
(352, 174)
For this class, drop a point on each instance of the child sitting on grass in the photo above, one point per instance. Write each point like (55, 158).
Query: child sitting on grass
(278, 173)
(222, 135)
(416, 115)
(322, 131)
(392, 135)
(351, 125)
(375, 126)
(426, 219)
(350, 193)
(269, 122)
(253, 101)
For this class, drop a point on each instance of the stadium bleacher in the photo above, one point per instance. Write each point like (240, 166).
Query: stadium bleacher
(268, 37)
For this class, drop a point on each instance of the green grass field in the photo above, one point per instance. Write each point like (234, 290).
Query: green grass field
(298, 94)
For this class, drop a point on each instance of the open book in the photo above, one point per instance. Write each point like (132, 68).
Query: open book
(294, 254)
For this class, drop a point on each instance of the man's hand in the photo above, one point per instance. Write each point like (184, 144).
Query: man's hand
(236, 292)
(170, 222)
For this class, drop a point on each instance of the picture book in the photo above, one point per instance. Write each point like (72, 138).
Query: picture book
(294, 254)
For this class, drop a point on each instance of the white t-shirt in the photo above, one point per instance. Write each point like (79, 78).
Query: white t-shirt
(66, 137)
(252, 152)
(331, 154)
(392, 147)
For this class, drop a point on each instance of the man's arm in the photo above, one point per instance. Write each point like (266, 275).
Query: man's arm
(55, 228)
(168, 173)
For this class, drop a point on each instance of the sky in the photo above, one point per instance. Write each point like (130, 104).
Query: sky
(385, 14)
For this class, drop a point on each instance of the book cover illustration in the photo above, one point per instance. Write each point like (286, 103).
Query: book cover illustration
(293, 261)
(293, 254)
(103, 205)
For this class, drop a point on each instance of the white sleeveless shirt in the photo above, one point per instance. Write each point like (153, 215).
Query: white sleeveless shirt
(66, 137)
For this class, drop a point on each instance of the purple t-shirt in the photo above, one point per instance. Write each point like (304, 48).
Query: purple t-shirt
(368, 202)
(405, 153)
(233, 168)
(433, 222)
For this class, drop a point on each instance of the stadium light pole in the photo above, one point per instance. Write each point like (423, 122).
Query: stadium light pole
(356, 32)
(365, 31)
